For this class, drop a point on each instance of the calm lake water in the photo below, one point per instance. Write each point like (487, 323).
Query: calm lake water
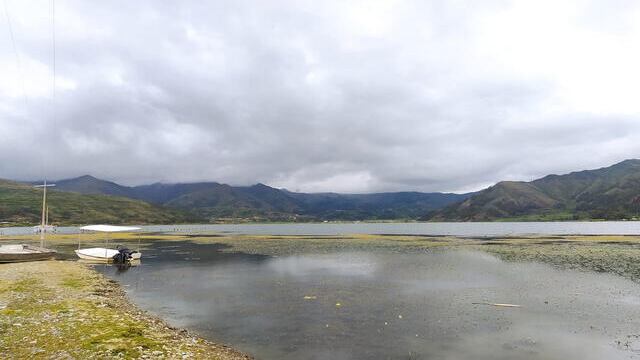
(377, 305)
(461, 229)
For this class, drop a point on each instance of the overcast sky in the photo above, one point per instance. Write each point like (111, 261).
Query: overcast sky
(347, 96)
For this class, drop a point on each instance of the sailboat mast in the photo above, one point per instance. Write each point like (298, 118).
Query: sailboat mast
(44, 209)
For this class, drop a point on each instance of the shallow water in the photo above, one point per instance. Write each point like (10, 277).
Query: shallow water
(386, 305)
(458, 229)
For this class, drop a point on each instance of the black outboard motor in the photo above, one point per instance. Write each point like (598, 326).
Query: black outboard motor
(123, 256)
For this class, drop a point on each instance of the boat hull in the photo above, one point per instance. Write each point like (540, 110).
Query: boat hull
(101, 254)
(22, 253)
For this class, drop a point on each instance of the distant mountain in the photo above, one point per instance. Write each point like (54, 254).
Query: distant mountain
(607, 193)
(21, 204)
(87, 184)
(221, 202)
(398, 205)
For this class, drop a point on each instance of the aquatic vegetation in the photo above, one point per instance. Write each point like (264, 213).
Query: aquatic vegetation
(618, 254)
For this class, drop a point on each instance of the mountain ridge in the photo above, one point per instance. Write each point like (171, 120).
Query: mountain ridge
(214, 200)
(607, 193)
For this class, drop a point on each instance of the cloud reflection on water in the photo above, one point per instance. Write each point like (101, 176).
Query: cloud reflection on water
(417, 306)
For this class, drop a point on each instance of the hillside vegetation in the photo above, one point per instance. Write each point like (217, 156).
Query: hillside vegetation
(610, 193)
(221, 202)
(21, 204)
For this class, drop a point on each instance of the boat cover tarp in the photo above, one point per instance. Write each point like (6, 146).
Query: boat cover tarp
(109, 228)
(98, 253)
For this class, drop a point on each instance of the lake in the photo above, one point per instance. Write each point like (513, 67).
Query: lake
(384, 305)
(458, 229)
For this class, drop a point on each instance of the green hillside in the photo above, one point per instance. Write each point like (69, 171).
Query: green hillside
(221, 202)
(610, 193)
(21, 204)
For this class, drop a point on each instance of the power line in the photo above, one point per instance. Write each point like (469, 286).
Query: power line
(53, 87)
(53, 45)
(16, 54)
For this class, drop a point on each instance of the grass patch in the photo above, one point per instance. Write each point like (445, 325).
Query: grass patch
(75, 283)
(25, 285)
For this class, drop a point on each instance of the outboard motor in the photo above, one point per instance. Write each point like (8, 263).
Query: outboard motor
(123, 256)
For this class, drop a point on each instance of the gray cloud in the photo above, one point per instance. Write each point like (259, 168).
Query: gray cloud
(317, 96)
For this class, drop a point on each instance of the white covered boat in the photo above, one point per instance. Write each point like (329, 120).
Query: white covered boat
(109, 228)
(104, 254)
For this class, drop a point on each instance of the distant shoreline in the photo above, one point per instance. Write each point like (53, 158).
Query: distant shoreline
(400, 221)
(463, 229)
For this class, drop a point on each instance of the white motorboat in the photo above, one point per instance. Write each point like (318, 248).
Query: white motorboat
(104, 254)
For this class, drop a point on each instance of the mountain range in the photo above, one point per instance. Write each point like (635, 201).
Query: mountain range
(608, 193)
(213, 201)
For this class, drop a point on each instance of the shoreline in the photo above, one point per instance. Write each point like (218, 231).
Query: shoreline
(65, 309)
(56, 295)
(342, 222)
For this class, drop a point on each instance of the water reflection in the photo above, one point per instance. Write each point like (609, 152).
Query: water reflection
(125, 266)
(375, 305)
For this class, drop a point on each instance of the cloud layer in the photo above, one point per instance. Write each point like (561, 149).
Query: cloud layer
(319, 96)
